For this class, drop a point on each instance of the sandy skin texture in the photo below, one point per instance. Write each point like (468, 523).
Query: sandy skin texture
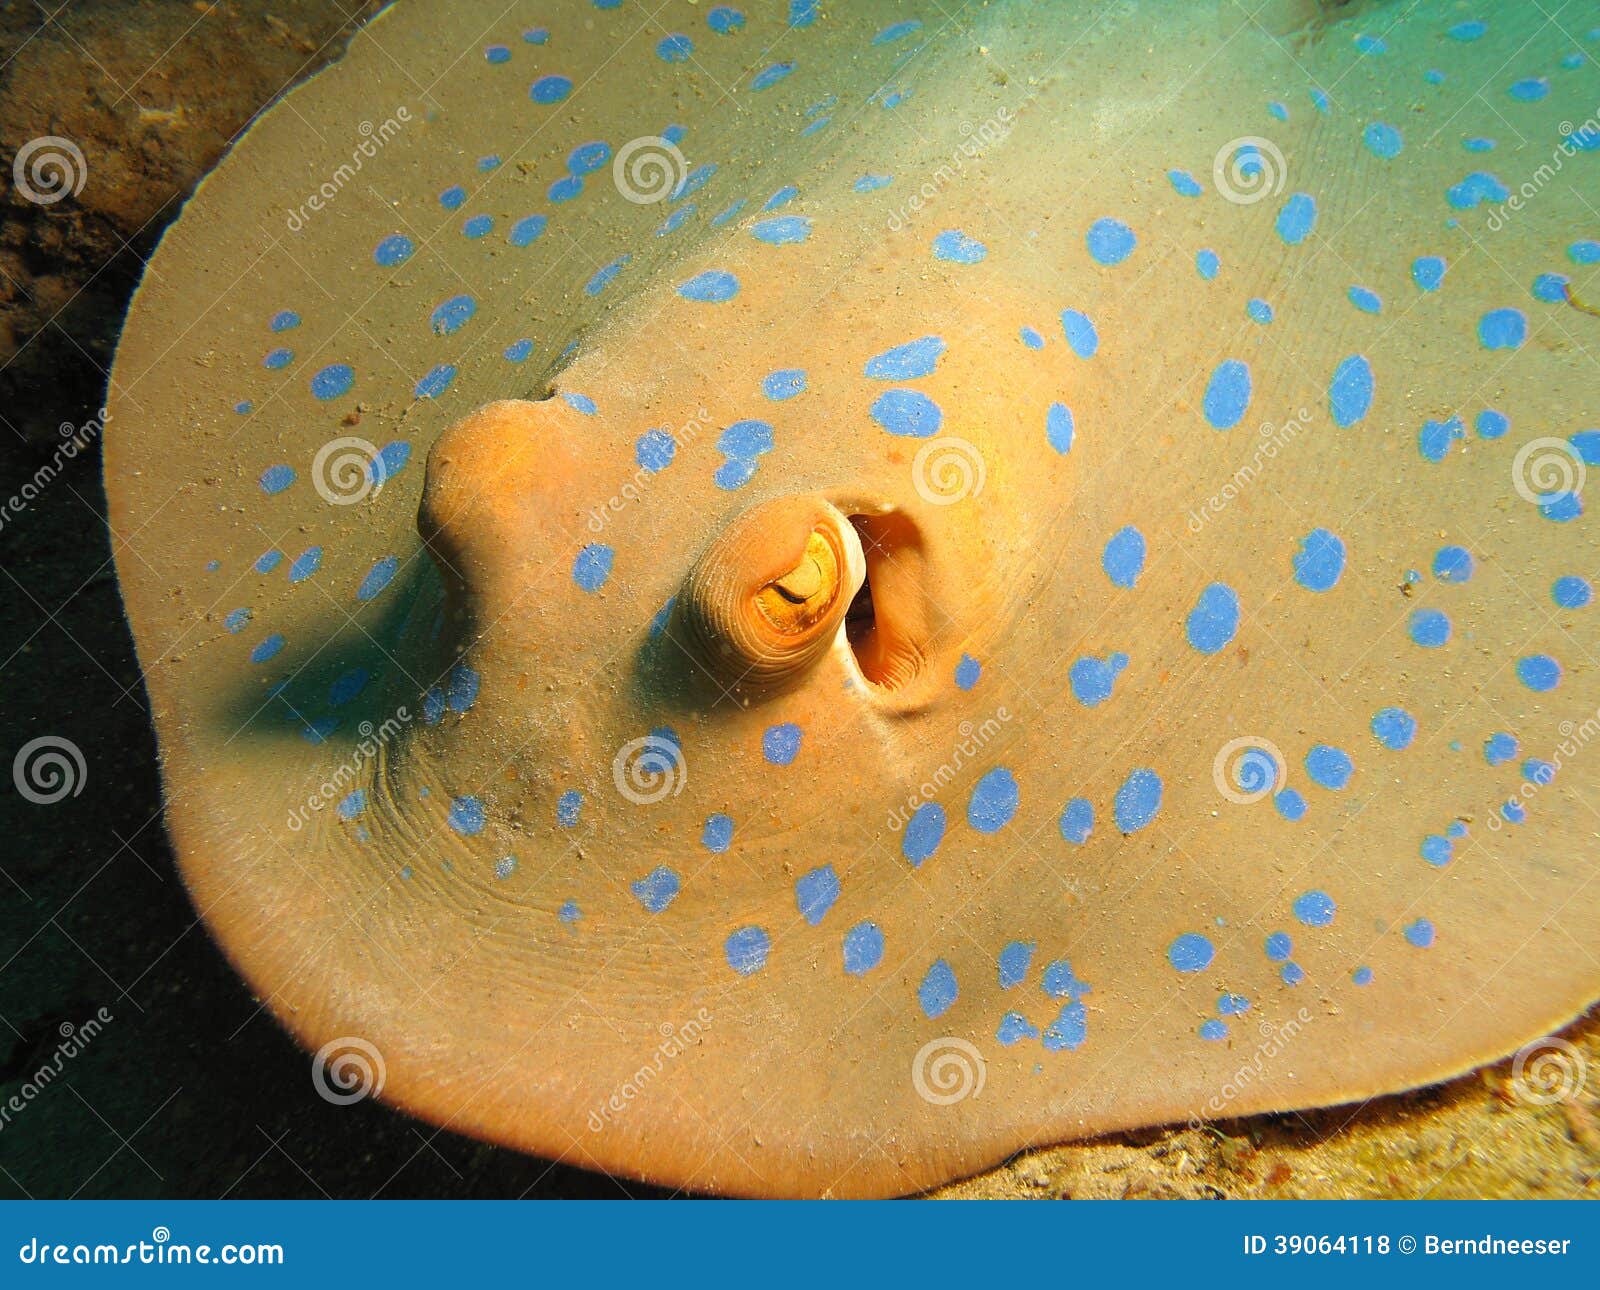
(1214, 770)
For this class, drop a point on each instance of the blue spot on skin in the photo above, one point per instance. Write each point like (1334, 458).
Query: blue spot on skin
(305, 564)
(1474, 190)
(781, 198)
(284, 320)
(1584, 252)
(463, 691)
(675, 49)
(237, 620)
(1452, 564)
(863, 948)
(1259, 311)
(1214, 619)
(1550, 288)
(745, 440)
(274, 479)
(566, 188)
(1365, 300)
(1228, 394)
(1278, 947)
(1436, 850)
(1290, 805)
(1320, 561)
(1428, 272)
(968, 670)
(1539, 672)
(871, 183)
(1328, 766)
(1190, 953)
(924, 832)
(1059, 982)
(1491, 424)
(994, 801)
(1382, 140)
(1015, 961)
(1068, 1030)
(378, 577)
(1465, 31)
(267, 561)
(1123, 558)
(1502, 329)
(1499, 747)
(353, 804)
(526, 230)
(956, 247)
(770, 76)
(783, 230)
(907, 362)
(1297, 218)
(654, 450)
(780, 744)
(568, 808)
(1530, 90)
(391, 460)
(452, 197)
(392, 250)
(1110, 241)
(1014, 1028)
(717, 836)
(785, 384)
(1207, 265)
(592, 566)
(332, 381)
(725, 21)
(1361, 976)
(435, 382)
(815, 893)
(1031, 338)
(937, 993)
(711, 287)
(1137, 801)
(1058, 427)
(657, 889)
(466, 816)
(1232, 1005)
(734, 473)
(896, 31)
(1428, 628)
(1213, 1029)
(1314, 908)
(1080, 333)
(1571, 592)
(569, 912)
(908, 413)
(497, 54)
(1183, 183)
(1394, 728)
(268, 648)
(550, 89)
(1091, 679)
(1420, 933)
(1559, 508)
(1077, 820)
(1435, 438)
(1292, 974)
(747, 948)
(478, 226)
(1350, 391)
(579, 402)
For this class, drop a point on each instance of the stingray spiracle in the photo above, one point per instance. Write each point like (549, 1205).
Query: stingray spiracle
(768, 597)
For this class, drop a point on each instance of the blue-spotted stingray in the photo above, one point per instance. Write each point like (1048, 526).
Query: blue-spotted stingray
(794, 598)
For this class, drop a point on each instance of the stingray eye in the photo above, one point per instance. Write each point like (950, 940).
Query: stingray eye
(768, 597)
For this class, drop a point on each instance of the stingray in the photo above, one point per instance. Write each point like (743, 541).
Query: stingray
(793, 599)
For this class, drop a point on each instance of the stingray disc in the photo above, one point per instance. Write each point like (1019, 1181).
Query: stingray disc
(794, 599)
